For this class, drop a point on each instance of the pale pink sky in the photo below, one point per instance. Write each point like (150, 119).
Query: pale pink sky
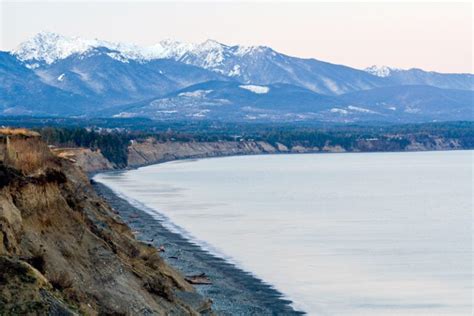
(432, 36)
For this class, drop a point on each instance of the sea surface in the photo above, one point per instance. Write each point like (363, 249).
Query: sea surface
(338, 234)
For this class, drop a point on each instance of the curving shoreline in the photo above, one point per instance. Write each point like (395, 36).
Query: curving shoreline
(176, 192)
(233, 292)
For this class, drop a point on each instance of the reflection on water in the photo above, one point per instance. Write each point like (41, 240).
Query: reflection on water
(339, 234)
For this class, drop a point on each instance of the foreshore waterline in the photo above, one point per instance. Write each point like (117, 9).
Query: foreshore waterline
(238, 291)
(176, 190)
(233, 291)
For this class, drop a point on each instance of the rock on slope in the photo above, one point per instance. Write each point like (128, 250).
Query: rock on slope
(64, 251)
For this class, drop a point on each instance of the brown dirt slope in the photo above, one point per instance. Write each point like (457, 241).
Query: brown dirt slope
(64, 251)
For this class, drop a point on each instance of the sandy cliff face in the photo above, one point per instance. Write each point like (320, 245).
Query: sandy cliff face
(63, 250)
(89, 160)
(151, 151)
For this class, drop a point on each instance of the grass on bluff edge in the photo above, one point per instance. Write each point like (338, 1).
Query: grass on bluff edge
(18, 132)
(24, 151)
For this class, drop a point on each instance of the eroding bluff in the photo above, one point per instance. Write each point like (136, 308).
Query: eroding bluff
(64, 251)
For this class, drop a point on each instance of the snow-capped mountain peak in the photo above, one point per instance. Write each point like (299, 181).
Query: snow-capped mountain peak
(48, 47)
(249, 50)
(168, 48)
(209, 54)
(379, 71)
(244, 63)
(211, 45)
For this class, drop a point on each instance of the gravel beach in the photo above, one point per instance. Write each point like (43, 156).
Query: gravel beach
(233, 291)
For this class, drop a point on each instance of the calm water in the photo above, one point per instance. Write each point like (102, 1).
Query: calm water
(339, 234)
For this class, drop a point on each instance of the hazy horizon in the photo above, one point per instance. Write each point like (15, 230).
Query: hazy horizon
(431, 36)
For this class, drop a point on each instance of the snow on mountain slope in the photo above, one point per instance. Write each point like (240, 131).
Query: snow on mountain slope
(414, 102)
(253, 79)
(414, 76)
(23, 93)
(228, 101)
(259, 65)
(103, 77)
(262, 65)
(255, 89)
(249, 64)
(110, 73)
(379, 71)
(50, 47)
(231, 101)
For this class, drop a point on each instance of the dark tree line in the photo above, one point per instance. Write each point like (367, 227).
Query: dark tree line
(113, 145)
(114, 142)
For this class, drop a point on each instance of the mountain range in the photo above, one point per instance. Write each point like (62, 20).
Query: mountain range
(55, 75)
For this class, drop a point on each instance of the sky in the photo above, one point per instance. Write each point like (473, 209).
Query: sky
(432, 36)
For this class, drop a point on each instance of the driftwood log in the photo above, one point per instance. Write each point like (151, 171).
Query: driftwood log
(201, 278)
